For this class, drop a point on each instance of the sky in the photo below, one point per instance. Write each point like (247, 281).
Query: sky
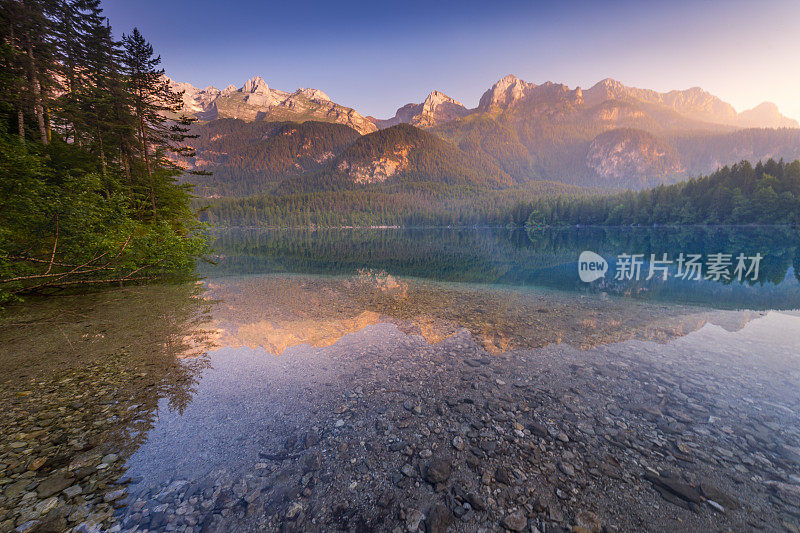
(376, 56)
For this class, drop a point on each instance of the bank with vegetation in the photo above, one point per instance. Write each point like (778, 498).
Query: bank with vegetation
(767, 193)
(88, 194)
(764, 193)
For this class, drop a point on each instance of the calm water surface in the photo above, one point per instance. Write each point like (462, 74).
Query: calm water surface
(163, 386)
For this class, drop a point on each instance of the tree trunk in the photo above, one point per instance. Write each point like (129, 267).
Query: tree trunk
(36, 88)
(48, 122)
(123, 154)
(21, 125)
(147, 158)
(102, 153)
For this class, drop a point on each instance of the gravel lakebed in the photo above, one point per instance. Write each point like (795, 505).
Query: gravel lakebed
(384, 430)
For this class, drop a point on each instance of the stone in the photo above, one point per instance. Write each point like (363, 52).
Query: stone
(501, 476)
(15, 489)
(71, 492)
(458, 443)
(37, 463)
(437, 471)
(712, 492)
(538, 429)
(312, 462)
(294, 510)
(44, 506)
(312, 439)
(83, 472)
(566, 468)
(475, 501)
(109, 459)
(439, 519)
(53, 485)
(413, 520)
(676, 487)
(114, 495)
(516, 521)
(714, 505)
(790, 453)
(26, 527)
(588, 521)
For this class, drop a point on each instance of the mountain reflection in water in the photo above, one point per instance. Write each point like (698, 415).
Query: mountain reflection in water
(518, 258)
(167, 381)
(83, 377)
(276, 312)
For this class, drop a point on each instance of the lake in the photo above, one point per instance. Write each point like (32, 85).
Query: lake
(417, 379)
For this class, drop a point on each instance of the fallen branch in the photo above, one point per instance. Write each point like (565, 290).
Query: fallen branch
(116, 280)
(75, 271)
(55, 245)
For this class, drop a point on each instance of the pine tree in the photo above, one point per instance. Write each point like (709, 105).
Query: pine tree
(31, 60)
(74, 208)
(154, 102)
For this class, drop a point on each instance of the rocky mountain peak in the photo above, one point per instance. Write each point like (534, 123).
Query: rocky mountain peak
(255, 85)
(437, 108)
(505, 92)
(693, 103)
(611, 89)
(608, 83)
(230, 89)
(766, 115)
(255, 100)
(437, 99)
(313, 94)
(194, 100)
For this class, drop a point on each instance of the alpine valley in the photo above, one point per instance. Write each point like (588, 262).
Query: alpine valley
(258, 140)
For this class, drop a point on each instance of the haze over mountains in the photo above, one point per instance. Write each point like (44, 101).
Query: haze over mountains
(609, 135)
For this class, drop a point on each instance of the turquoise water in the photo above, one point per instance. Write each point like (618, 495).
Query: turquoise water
(178, 392)
(539, 258)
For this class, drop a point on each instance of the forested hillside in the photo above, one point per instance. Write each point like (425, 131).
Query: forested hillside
(767, 193)
(609, 136)
(411, 153)
(284, 157)
(403, 204)
(251, 157)
(87, 192)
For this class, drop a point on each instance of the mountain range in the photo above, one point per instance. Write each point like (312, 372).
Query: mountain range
(255, 100)
(259, 139)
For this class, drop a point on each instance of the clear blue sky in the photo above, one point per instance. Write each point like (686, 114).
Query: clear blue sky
(376, 56)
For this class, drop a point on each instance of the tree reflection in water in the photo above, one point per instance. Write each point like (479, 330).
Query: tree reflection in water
(84, 376)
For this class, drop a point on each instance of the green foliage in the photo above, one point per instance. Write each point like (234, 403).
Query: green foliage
(64, 228)
(88, 195)
(767, 193)
(400, 204)
(253, 157)
(429, 158)
(287, 157)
